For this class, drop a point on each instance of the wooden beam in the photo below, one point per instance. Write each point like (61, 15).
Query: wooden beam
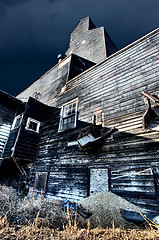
(151, 97)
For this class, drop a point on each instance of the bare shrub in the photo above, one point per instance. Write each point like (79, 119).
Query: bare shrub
(8, 200)
(49, 212)
(21, 211)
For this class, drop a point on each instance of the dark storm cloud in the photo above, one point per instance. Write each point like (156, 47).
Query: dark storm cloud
(4, 4)
(11, 2)
(34, 32)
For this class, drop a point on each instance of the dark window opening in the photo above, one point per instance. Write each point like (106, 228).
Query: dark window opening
(32, 125)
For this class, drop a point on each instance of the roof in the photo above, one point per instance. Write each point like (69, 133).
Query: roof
(13, 101)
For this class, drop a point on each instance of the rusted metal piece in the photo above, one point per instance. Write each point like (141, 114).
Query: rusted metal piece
(22, 171)
(87, 139)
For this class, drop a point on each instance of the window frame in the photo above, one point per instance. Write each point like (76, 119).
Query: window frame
(34, 121)
(15, 120)
(61, 129)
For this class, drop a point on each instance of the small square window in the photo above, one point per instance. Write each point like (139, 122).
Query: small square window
(17, 121)
(68, 116)
(32, 125)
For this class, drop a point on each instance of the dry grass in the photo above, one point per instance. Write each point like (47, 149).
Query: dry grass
(28, 219)
(71, 231)
(21, 211)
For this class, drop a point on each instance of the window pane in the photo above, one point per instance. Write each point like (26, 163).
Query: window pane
(69, 119)
(65, 121)
(66, 108)
(73, 111)
(71, 125)
(69, 112)
(18, 121)
(68, 116)
(33, 125)
(73, 119)
(74, 105)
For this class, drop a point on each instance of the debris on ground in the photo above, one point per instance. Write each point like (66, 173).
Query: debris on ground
(107, 209)
(102, 209)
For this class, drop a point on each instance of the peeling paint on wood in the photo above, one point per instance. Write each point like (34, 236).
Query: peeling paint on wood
(111, 90)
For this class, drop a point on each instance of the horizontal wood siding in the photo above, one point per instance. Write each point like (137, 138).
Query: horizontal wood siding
(6, 120)
(26, 146)
(10, 143)
(133, 184)
(49, 85)
(27, 141)
(68, 183)
(111, 89)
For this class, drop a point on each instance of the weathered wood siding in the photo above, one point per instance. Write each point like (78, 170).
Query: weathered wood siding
(46, 88)
(23, 143)
(90, 42)
(111, 89)
(53, 83)
(6, 120)
(8, 106)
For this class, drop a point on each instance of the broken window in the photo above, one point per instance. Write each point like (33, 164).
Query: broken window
(68, 116)
(32, 125)
(40, 181)
(17, 121)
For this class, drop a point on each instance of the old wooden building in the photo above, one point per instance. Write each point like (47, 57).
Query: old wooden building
(89, 124)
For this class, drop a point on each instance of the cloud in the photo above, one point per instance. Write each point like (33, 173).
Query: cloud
(4, 4)
(34, 32)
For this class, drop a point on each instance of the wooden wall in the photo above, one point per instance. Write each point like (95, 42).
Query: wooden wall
(23, 144)
(6, 119)
(90, 42)
(8, 106)
(46, 88)
(111, 89)
(53, 83)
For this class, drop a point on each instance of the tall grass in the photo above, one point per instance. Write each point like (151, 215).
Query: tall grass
(42, 219)
(70, 231)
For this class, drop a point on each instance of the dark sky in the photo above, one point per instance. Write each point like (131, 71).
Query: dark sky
(34, 32)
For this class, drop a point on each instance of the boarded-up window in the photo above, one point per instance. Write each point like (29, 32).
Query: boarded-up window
(98, 180)
(40, 181)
